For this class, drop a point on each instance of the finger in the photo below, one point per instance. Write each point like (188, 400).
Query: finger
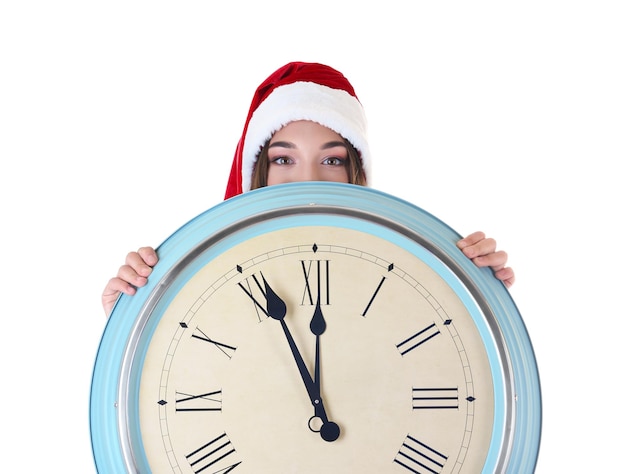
(149, 255)
(471, 239)
(506, 275)
(495, 260)
(136, 277)
(138, 265)
(112, 291)
(480, 248)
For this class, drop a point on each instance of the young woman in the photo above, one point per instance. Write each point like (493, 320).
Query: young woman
(305, 124)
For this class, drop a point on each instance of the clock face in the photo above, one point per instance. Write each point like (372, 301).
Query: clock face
(315, 338)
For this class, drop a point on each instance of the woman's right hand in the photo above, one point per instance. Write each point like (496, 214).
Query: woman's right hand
(132, 275)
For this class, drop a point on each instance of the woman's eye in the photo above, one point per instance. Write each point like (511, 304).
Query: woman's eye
(334, 161)
(281, 160)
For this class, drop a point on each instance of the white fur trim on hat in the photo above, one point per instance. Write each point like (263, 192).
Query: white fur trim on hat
(333, 108)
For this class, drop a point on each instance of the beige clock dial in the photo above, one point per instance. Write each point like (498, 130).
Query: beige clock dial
(402, 368)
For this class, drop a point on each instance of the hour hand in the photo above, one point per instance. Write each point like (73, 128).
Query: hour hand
(317, 326)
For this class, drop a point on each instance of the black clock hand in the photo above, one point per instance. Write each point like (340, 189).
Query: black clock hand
(329, 430)
(318, 326)
(277, 309)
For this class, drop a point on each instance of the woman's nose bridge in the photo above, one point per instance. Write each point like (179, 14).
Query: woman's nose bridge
(309, 171)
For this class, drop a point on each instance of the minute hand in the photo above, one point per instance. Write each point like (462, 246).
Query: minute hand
(317, 326)
(277, 309)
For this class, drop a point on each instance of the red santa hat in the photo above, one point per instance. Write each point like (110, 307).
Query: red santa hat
(298, 91)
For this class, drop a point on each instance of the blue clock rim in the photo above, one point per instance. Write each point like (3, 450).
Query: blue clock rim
(106, 443)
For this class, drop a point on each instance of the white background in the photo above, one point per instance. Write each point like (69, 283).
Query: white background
(118, 122)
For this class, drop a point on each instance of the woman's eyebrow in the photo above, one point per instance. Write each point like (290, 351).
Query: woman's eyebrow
(325, 146)
(333, 144)
(282, 145)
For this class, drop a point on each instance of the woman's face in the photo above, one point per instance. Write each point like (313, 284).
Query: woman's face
(306, 151)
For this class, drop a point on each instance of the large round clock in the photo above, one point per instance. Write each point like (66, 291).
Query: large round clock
(315, 327)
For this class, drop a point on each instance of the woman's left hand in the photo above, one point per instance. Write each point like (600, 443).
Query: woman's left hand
(482, 251)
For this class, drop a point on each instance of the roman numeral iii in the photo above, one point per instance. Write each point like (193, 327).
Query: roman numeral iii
(435, 398)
